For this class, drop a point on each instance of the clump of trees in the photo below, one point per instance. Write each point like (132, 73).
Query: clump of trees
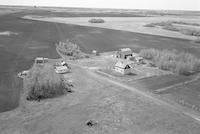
(170, 28)
(185, 23)
(181, 63)
(191, 32)
(168, 25)
(43, 82)
(96, 20)
(150, 25)
(70, 49)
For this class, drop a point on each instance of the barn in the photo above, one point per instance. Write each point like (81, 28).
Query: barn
(124, 53)
(122, 67)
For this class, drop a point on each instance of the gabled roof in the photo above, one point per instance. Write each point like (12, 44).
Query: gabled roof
(40, 58)
(139, 58)
(121, 64)
(125, 49)
(61, 67)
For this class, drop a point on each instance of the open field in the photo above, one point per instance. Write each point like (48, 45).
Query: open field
(37, 38)
(117, 104)
(187, 94)
(113, 108)
(5, 11)
(132, 24)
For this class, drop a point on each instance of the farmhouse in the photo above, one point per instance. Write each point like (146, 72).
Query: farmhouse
(124, 53)
(122, 67)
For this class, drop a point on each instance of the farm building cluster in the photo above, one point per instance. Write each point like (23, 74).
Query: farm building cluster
(127, 60)
(59, 67)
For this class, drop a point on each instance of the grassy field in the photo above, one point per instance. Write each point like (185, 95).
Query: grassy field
(113, 108)
(187, 94)
(38, 38)
(132, 24)
(154, 83)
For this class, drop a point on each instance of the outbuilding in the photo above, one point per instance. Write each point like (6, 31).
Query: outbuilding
(124, 53)
(41, 60)
(122, 67)
(95, 52)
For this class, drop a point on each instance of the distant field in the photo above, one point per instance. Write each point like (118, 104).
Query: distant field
(8, 11)
(132, 24)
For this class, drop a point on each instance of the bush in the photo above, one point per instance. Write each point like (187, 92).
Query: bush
(43, 82)
(93, 20)
(185, 23)
(68, 48)
(190, 32)
(150, 25)
(170, 27)
(181, 63)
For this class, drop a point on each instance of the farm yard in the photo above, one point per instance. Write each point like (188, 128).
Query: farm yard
(167, 85)
(114, 90)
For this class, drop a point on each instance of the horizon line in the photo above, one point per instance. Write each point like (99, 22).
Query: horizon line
(97, 8)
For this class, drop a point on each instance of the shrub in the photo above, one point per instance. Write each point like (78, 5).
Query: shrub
(43, 82)
(99, 20)
(71, 49)
(163, 23)
(181, 63)
(150, 25)
(185, 23)
(170, 27)
(190, 32)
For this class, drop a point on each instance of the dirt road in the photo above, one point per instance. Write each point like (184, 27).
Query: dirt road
(185, 111)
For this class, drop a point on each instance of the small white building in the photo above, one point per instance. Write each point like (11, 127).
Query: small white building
(139, 59)
(122, 67)
(95, 52)
(41, 60)
(62, 69)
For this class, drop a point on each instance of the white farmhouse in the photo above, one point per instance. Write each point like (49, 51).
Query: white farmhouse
(122, 67)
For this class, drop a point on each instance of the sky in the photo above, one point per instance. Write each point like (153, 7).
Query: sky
(122, 4)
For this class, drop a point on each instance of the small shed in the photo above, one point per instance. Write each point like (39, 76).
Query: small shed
(139, 59)
(124, 53)
(41, 60)
(122, 67)
(95, 52)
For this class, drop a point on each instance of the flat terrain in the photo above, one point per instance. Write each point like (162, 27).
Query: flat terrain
(132, 24)
(37, 38)
(113, 108)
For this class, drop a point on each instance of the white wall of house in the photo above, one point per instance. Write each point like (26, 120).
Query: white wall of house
(122, 71)
(127, 71)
